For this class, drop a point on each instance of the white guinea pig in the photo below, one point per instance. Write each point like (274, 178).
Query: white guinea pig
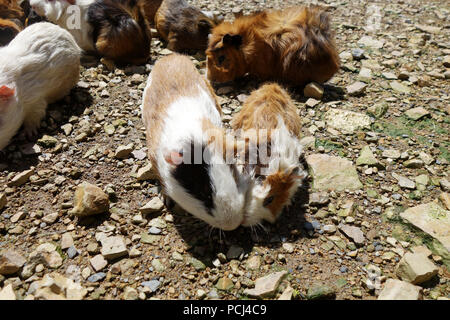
(70, 15)
(180, 111)
(40, 66)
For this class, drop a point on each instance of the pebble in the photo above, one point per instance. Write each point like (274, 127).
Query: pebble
(89, 200)
(153, 285)
(96, 277)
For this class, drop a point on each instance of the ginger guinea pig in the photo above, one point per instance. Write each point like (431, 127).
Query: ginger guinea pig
(39, 66)
(293, 45)
(182, 117)
(184, 26)
(269, 120)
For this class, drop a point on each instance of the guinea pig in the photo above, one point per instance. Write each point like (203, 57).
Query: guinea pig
(8, 30)
(150, 7)
(114, 29)
(294, 46)
(182, 116)
(184, 26)
(39, 66)
(120, 31)
(270, 121)
(70, 15)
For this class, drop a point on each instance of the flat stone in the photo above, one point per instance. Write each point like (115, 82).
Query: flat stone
(197, 264)
(154, 205)
(426, 158)
(253, 263)
(153, 285)
(158, 265)
(422, 250)
(150, 238)
(266, 286)
(96, 277)
(21, 178)
(130, 293)
(113, 247)
(445, 199)
(332, 173)
(18, 216)
(354, 233)
(404, 182)
(366, 157)
(50, 218)
(391, 154)
(400, 290)
(320, 291)
(428, 29)
(417, 113)
(370, 42)
(98, 262)
(11, 262)
(397, 86)
(416, 268)
(66, 241)
(413, 163)
(146, 173)
(158, 223)
(89, 200)
(47, 141)
(313, 90)
(287, 294)
(346, 121)
(308, 142)
(123, 152)
(7, 293)
(46, 254)
(311, 102)
(432, 219)
(357, 88)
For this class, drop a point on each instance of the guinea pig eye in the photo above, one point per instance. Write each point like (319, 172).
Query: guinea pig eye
(220, 60)
(268, 201)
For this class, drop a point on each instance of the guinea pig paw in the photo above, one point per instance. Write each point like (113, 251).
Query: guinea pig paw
(31, 132)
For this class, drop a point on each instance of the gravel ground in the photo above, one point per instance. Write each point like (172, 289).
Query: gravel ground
(341, 240)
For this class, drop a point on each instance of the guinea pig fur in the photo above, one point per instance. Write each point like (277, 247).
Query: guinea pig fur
(150, 7)
(120, 31)
(179, 107)
(39, 66)
(10, 9)
(184, 26)
(294, 46)
(8, 30)
(271, 109)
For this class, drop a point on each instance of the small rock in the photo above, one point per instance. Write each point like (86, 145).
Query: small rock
(225, 284)
(391, 153)
(318, 199)
(287, 294)
(197, 264)
(98, 262)
(89, 200)
(445, 199)
(356, 88)
(416, 268)
(154, 205)
(417, 113)
(130, 294)
(7, 293)
(146, 173)
(354, 233)
(66, 241)
(153, 285)
(234, 252)
(11, 262)
(266, 286)
(113, 247)
(122, 152)
(399, 290)
(47, 141)
(96, 277)
(21, 178)
(253, 263)
(404, 182)
(397, 86)
(320, 291)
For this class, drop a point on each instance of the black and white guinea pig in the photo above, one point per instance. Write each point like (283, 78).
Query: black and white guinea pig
(39, 66)
(181, 114)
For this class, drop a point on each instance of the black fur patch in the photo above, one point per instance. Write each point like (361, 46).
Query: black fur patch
(6, 35)
(195, 179)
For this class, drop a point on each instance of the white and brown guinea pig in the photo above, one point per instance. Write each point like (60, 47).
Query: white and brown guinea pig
(114, 29)
(270, 109)
(293, 45)
(39, 66)
(179, 110)
(184, 26)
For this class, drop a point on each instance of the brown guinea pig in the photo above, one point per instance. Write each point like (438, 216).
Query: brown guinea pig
(120, 31)
(184, 26)
(269, 119)
(293, 45)
(149, 8)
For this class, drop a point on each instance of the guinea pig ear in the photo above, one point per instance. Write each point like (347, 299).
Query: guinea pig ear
(204, 24)
(295, 172)
(6, 93)
(232, 40)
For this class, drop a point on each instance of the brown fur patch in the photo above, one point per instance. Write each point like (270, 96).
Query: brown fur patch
(280, 183)
(293, 45)
(149, 8)
(183, 26)
(10, 9)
